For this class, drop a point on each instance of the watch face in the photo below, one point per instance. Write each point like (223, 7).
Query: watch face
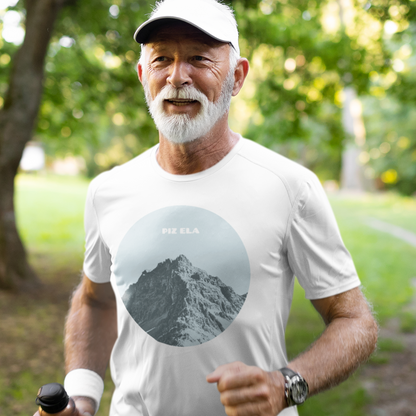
(299, 390)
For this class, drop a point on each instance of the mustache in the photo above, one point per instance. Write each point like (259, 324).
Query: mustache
(184, 93)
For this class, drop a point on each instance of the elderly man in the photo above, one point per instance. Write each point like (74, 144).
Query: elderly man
(192, 248)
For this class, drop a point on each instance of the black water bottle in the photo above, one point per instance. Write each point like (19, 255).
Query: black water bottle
(52, 398)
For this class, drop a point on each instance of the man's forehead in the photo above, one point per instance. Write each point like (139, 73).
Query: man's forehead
(168, 30)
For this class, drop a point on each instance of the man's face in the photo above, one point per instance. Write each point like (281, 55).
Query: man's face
(187, 80)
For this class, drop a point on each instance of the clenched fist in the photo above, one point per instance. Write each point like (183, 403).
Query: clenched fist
(248, 391)
(77, 406)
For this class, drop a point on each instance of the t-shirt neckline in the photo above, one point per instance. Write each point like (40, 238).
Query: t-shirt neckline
(199, 175)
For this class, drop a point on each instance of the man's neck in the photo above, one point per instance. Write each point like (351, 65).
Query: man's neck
(198, 155)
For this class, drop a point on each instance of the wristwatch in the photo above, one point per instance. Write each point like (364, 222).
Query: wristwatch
(296, 387)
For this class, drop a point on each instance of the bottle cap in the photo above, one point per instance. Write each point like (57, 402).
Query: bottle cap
(52, 398)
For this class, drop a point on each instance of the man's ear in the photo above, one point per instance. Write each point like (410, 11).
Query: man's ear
(240, 75)
(140, 72)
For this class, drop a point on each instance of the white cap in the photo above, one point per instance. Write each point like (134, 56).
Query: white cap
(206, 15)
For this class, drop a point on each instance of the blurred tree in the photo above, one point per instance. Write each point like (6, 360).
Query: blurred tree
(89, 92)
(390, 154)
(17, 118)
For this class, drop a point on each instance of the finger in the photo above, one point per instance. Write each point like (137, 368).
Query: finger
(215, 376)
(68, 411)
(244, 378)
(250, 394)
(250, 409)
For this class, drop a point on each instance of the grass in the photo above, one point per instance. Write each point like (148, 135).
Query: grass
(50, 214)
(408, 322)
(50, 218)
(390, 207)
(384, 263)
(384, 348)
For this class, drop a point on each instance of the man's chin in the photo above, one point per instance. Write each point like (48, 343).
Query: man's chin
(182, 137)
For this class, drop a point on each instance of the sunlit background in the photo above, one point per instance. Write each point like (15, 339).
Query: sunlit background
(328, 79)
(332, 85)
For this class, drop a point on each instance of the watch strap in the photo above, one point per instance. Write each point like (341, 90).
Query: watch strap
(289, 374)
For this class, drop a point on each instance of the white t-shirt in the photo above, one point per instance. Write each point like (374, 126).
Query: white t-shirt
(203, 269)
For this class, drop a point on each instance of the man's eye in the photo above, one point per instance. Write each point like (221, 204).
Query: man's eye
(199, 58)
(160, 59)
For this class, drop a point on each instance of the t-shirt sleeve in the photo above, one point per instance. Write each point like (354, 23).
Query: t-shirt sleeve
(97, 258)
(316, 252)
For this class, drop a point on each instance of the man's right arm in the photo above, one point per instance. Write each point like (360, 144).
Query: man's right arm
(90, 333)
(91, 328)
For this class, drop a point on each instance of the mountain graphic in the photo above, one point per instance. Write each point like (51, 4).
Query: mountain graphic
(181, 305)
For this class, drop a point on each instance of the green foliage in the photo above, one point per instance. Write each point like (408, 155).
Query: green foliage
(397, 9)
(391, 145)
(93, 102)
(302, 56)
(391, 132)
(299, 69)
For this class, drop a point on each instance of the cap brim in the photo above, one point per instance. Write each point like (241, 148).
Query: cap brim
(143, 33)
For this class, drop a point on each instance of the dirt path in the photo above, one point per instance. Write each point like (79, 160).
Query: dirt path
(394, 230)
(392, 385)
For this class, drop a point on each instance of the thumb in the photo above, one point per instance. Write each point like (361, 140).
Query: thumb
(84, 406)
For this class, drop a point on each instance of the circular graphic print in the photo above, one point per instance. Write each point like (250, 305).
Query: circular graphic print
(183, 274)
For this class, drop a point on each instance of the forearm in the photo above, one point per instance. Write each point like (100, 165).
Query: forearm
(343, 346)
(91, 331)
(348, 340)
(345, 343)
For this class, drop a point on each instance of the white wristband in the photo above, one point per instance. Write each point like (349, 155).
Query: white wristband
(82, 382)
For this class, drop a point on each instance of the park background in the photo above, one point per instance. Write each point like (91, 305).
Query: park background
(332, 85)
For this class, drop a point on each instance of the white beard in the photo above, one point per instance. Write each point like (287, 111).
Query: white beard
(180, 128)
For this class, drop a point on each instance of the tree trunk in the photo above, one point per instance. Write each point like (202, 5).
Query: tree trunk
(17, 119)
(352, 173)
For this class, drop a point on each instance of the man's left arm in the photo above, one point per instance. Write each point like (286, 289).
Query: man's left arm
(348, 340)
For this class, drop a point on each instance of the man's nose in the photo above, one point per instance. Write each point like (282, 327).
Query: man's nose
(179, 75)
